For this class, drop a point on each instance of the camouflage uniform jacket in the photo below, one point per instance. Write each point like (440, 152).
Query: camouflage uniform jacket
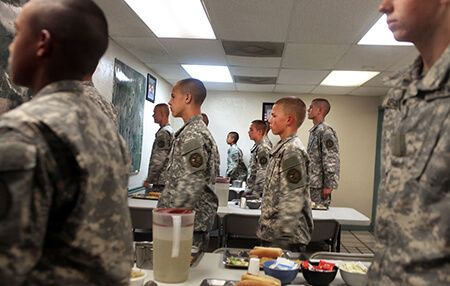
(267, 140)
(323, 151)
(160, 155)
(286, 205)
(106, 106)
(413, 213)
(236, 168)
(258, 163)
(64, 176)
(191, 173)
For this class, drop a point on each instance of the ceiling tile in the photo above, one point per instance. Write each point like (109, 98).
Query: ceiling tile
(373, 58)
(337, 90)
(378, 80)
(220, 86)
(170, 72)
(248, 71)
(404, 62)
(195, 51)
(331, 21)
(122, 13)
(250, 20)
(294, 88)
(307, 77)
(255, 87)
(148, 50)
(304, 56)
(370, 91)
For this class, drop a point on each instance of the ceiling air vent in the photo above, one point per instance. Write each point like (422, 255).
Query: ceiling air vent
(255, 80)
(253, 49)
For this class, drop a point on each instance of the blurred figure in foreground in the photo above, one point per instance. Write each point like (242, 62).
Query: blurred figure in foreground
(413, 214)
(64, 218)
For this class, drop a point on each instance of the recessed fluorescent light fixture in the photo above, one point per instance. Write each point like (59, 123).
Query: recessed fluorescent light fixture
(209, 73)
(174, 18)
(348, 78)
(380, 35)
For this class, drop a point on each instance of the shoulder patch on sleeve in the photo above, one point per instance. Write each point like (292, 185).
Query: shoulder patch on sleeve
(294, 172)
(17, 156)
(329, 140)
(194, 155)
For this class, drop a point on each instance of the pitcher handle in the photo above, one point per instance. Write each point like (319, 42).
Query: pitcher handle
(176, 235)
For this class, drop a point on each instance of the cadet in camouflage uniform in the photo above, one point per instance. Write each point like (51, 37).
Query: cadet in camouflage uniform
(286, 217)
(106, 106)
(193, 161)
(258, 161)
(64, 218)
(323, 151)
(160, 151)
(413, 214)
(236, 169)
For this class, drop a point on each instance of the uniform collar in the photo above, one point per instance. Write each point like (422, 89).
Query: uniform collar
(411, 79)
(61, 86)
(190, 121)
(316, 126)
(281, 143)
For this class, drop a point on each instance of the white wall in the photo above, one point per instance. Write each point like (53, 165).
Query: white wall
(103, 80)
(353, 118)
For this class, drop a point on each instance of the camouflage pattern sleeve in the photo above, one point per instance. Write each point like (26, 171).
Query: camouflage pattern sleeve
(262, 160)
(412, 223)
(330, 159)
(17, 163)
(232, 160)
(160, 156)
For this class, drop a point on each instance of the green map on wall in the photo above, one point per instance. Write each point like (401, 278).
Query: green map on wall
(129, 99)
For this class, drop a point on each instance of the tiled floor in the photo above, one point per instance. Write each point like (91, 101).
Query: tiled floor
(357, 241)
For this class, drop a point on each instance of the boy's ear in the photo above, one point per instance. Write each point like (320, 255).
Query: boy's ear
(188, 97)
(45, 42)
(290, 120)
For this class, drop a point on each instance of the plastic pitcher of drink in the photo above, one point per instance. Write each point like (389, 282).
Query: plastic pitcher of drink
(172, 244)
(222, 188)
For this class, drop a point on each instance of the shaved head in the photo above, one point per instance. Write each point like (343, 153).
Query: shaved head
(324, 104)
(293, 106)
(77, 27)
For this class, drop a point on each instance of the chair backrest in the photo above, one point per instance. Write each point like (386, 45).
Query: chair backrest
(141, 218)
(232, 194)
(326, 230)
(244, 225)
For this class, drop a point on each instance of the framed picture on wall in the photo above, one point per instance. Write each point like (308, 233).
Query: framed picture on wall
(151, 88)
(267, 111)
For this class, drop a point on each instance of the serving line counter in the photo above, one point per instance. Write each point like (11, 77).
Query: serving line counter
(210, 266)
(345, 216)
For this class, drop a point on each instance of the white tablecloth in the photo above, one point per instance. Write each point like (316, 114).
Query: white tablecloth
(345, 216)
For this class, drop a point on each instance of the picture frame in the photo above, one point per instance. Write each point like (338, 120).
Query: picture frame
(267, 110)
(151, 88)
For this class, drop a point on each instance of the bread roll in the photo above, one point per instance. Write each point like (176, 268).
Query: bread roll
(270, 252)
(261, 278)
(252, 283)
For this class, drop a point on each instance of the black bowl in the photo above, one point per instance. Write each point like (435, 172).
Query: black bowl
(253, 205)
(319, 278)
